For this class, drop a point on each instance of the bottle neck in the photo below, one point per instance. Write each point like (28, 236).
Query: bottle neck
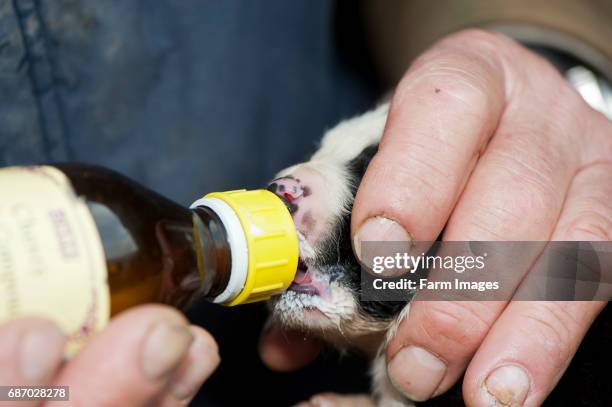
(213, 253)
(196, 258)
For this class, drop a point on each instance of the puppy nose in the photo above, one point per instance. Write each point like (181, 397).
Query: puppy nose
(287, 187)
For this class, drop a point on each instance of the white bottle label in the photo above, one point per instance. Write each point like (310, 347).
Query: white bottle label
(51, 257)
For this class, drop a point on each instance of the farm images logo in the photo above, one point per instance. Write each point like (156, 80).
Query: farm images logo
(480, 271)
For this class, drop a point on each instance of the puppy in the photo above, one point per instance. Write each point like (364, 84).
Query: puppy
(325, 296)
(324, 299)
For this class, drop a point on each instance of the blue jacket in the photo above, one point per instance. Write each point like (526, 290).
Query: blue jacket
(186, 97)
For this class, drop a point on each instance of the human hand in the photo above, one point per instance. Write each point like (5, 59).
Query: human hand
(146, 355)
(488, 139)
(484, 137)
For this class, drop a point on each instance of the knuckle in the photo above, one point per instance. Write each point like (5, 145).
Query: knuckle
(502, 216)
(590, 226)
(467, 65)
(552, 326)
(455, 327)
(537, 197)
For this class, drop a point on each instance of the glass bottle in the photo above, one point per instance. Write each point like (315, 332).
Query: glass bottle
(80, 243)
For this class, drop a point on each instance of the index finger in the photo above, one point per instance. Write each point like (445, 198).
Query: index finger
(444, 112)
(441, 117)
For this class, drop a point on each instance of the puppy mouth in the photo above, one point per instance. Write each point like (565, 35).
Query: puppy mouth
(306, 283)
(302, 283)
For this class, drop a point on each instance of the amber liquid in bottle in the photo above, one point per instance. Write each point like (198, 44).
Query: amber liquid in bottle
(155, 249)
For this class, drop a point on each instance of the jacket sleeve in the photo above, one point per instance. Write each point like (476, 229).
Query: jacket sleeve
(400, 30)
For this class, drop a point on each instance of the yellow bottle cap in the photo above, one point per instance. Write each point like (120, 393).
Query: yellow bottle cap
(263, 242)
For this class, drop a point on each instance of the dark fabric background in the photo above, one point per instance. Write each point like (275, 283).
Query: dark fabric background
(186, 97)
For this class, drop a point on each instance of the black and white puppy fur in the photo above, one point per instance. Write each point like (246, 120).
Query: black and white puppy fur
(324, 299)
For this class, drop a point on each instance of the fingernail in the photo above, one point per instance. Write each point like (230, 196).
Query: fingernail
(509, 385)
(379, 229)
(164, 349)
(416, 372)
(203, 359)
(321, 401)
(41, 353)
